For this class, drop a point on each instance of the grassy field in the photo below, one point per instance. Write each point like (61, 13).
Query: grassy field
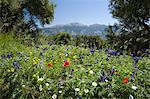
(61, 72)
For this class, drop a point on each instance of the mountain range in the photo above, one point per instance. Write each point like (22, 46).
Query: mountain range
(77, 28)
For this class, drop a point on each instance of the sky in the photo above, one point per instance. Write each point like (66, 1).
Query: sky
(82, 11)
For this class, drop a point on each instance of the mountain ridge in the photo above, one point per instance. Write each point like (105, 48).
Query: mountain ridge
(77, 28)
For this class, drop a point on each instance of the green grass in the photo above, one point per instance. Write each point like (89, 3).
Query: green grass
(36, 79)
(9, 43)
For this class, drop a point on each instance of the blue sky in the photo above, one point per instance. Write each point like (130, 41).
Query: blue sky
(82, 11)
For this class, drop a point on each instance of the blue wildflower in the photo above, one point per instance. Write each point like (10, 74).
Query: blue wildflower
(3, 56)
(132, 54)
(80, 97)
(41, 62)
(16, 64)
(136, 59)
(102, 77)
(41, 53)
(44, 49)
(112, 52)
(92, 50)
(9, 55)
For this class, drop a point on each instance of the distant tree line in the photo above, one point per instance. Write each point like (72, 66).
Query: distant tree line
(86, 41)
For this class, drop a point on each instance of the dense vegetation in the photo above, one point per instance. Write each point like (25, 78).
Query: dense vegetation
(33, 65)
(21, 16)
(134, 25)
(55, 71)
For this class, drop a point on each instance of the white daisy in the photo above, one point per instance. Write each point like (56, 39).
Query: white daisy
(134, 87)
(86, 90)
(77, 89)
(94, 84)
(54, 96)
(91, 72)
(40, 88)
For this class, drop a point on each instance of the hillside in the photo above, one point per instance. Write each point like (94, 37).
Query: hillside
(77, 28)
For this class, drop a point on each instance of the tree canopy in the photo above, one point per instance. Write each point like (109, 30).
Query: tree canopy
(134, 23)
(24, 14)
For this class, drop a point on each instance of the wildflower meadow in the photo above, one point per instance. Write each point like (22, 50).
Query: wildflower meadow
(74, 49)
(68, 72)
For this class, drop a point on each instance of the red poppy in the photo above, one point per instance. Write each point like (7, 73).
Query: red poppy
(125, 80)
(50, 65)
(66, 63)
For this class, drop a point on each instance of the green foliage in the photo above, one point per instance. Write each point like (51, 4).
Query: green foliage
(43, 10)
(9, 43)
(62, 38)
(87, 41)
(22, 15)
(133, 24)
(111, 37)
(44, 75)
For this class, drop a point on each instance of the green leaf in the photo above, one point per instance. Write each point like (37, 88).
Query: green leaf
(1, 81)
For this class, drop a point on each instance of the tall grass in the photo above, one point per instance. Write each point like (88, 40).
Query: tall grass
(10, 43)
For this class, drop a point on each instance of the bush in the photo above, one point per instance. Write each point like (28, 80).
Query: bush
(62, 38)
(89, 41)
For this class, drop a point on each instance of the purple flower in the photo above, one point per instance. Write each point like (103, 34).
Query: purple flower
(41, 62)
(132, 54)
(50, 43)
(136, 59)
(9, 55)
(16, 64)
(3, 56)
(113, 71)
(112, 52)
(102, 77)
(92, 50)
(44, 49)
(41, 53)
